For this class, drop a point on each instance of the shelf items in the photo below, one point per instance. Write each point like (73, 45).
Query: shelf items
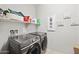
(9, 15)
(19, 19)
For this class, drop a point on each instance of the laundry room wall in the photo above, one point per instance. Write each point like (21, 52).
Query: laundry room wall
(63, 38)
(5, 27)
(77, 22)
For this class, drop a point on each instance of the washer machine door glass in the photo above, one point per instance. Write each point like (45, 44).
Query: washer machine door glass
(35, 49)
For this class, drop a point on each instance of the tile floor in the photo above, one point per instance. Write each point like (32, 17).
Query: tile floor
(49, 51)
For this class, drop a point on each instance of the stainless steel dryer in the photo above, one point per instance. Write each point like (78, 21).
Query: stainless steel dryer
(24, 44)
(43, 40)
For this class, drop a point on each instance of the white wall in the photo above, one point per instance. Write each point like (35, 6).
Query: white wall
(27, 10)
(63, 39)
(77, 21)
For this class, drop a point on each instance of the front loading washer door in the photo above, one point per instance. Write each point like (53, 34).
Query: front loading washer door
(35, 49)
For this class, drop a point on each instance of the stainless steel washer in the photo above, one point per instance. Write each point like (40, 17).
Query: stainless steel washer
(43, 40)
(24, 44)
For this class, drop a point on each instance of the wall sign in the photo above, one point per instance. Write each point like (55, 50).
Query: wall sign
(60, 25)
(51, 23)
(74, 25)
(67, 17)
